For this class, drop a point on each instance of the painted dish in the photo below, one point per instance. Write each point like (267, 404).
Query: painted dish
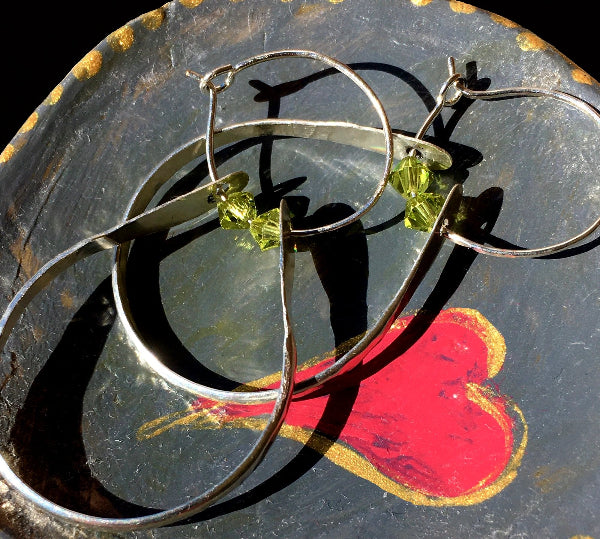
(476, 414)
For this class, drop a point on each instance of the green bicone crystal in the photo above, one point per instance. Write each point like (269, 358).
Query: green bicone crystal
(410, 177)
(265, 229)
(422, 211)
(237, 211)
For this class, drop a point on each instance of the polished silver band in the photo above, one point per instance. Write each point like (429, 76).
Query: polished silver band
(343, 133)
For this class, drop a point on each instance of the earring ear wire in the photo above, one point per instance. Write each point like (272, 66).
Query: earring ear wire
(512, 92)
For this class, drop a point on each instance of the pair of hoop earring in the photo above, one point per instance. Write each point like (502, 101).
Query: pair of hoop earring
(236, 210)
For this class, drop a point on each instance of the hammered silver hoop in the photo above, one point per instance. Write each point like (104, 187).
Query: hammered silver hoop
(366, 138)
(163, 217)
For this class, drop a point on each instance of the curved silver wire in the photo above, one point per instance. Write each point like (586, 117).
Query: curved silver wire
(157, 219)
(351, 134)
(160, 218)
(164, 217)
(207, 85)
(501, 93)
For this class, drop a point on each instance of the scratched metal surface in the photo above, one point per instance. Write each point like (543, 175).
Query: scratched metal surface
(74, 393)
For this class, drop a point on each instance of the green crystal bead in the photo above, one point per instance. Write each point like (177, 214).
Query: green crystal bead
(411, 177)
(265, 229)
(237, 211)
(422, 211)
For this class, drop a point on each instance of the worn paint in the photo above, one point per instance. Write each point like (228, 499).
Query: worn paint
(528, 41)
(88, 66)
(153, 20)
(122, 39)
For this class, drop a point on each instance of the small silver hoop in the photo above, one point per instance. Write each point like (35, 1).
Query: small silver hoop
(501, 93)
(213, 91)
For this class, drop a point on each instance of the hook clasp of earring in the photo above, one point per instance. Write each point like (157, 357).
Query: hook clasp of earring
(454, 81)
(206, 81)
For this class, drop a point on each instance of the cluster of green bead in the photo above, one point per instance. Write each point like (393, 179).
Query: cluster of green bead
(238, 210)
(412, 178)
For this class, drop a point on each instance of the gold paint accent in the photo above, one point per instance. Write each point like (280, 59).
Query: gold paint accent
(29, 123)
(482, 397)
(271, 379)
(24, 256)
(335, 1)
(488, 333)
(548, 479)
(420, 2)
(190, 3)
(120, 40)
(54, 96)
(88, 66)
(528, 41)
(581, 537)
(579, 75)
(153, 19)
(287, 1)
(347, 458)
(200, 419)
(66, 299)
(7, 154)
(503, 21)
(309, 9)
(461, 7)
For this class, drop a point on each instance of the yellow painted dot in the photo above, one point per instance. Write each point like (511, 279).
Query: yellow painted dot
(420, 2)
(335, 1)
(54, 96)
(120, 40)
(190, 3)
(153, 19)
(88, 66)
(579, 75)
(581, 537)
(528, 41)
(310, 9)
(503, 21)
(29, 123)
(66, 299)
(8, 153)
(286, 1)
(461, 7)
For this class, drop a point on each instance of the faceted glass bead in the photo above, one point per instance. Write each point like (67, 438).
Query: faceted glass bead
(410, 177)
(265, 229)
(237, 211)
(422, 211)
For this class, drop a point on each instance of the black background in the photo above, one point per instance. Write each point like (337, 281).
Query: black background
(41, 42)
